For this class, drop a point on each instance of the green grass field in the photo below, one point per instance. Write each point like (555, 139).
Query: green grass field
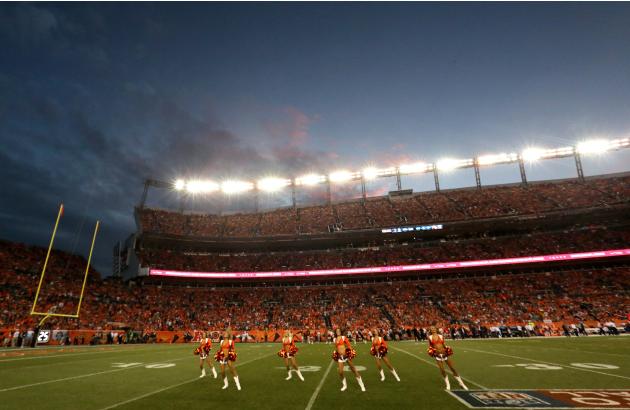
(166, 376)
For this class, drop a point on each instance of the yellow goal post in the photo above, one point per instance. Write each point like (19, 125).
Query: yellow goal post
(47, 315)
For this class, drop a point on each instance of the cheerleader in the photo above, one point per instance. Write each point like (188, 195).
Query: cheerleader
(226, 356)
(379, 351)
(288, 352)
(344, 353)
(441, 352)
(204, 349)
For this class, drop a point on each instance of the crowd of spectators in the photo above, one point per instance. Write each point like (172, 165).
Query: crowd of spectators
(569, 296)
(578, 240)
(430, 207)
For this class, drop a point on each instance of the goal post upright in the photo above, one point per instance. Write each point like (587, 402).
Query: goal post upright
(47, 315)
(52, 239)
(87, 268)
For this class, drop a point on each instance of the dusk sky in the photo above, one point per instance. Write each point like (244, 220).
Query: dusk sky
(94, 98)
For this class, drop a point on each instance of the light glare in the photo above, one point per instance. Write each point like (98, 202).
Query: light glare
(497, 158)
(201, 186)
(180, 184)
(449, 164)
(310, 179)
(235, 187)
(340, 176)
(532, 154)
(272, 184)
(598, 146)
(413, 168)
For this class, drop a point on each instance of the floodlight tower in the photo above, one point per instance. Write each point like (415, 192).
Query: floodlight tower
(436, 177)
(477, 174)
(293, 201)
(521, 168)
(578, 164)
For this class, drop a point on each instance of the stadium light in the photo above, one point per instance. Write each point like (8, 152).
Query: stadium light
(415, 168)
(180, 184)
(236, 187)
(371, 173)
(341, 176)
(449, 164)
(201, 186)
(600, 146)
(272, 184)
(534, 154)
(497, 158)
(310, 179)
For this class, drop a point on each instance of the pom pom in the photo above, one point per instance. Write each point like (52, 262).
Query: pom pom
(219, 356)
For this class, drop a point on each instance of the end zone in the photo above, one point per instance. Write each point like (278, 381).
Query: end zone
(544, 398)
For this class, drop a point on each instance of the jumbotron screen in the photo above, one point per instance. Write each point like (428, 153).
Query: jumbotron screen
(397, 268)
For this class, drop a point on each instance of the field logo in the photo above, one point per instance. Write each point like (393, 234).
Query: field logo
(507, 399)
(550, 399)
(44, 336)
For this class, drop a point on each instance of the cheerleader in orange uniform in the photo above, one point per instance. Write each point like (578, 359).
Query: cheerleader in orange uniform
(344, 353)
(379, 351)
(441, 353)
(204, 349)
(226, 356)
(288, 352)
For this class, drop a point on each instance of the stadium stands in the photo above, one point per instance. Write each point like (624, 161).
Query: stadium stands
(578, 240)
(482, 300)
(568, 296)
(432, 207)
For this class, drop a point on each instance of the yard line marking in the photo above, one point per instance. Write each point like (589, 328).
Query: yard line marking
(122, 403)
(318, 388)
(555, 364)
(81, 376)
(72, 354)
(460, 399)
(433, 364)
(71, 346)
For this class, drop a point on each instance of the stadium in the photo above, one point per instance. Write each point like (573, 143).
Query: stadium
(297, 283)
(505, 271)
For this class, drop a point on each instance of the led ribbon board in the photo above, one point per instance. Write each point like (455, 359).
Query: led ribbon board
(397, 268)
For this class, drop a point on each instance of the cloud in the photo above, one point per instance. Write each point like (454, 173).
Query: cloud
(94, 155)
(27, 24)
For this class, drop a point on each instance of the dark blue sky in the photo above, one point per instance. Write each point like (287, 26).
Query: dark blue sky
(96, 97)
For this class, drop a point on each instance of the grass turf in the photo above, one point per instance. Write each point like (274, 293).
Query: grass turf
(118, 377)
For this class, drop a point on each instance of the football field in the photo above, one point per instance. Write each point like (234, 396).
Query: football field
(514, 373)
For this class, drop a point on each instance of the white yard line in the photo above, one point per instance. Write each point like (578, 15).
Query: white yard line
(433, 364)
(82, 376)
(460, 399)
(72, 354)
(552, 363)
(122, 403)
(319, 387)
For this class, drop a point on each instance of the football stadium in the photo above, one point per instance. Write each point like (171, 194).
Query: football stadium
(527, 282)
(491, 274)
